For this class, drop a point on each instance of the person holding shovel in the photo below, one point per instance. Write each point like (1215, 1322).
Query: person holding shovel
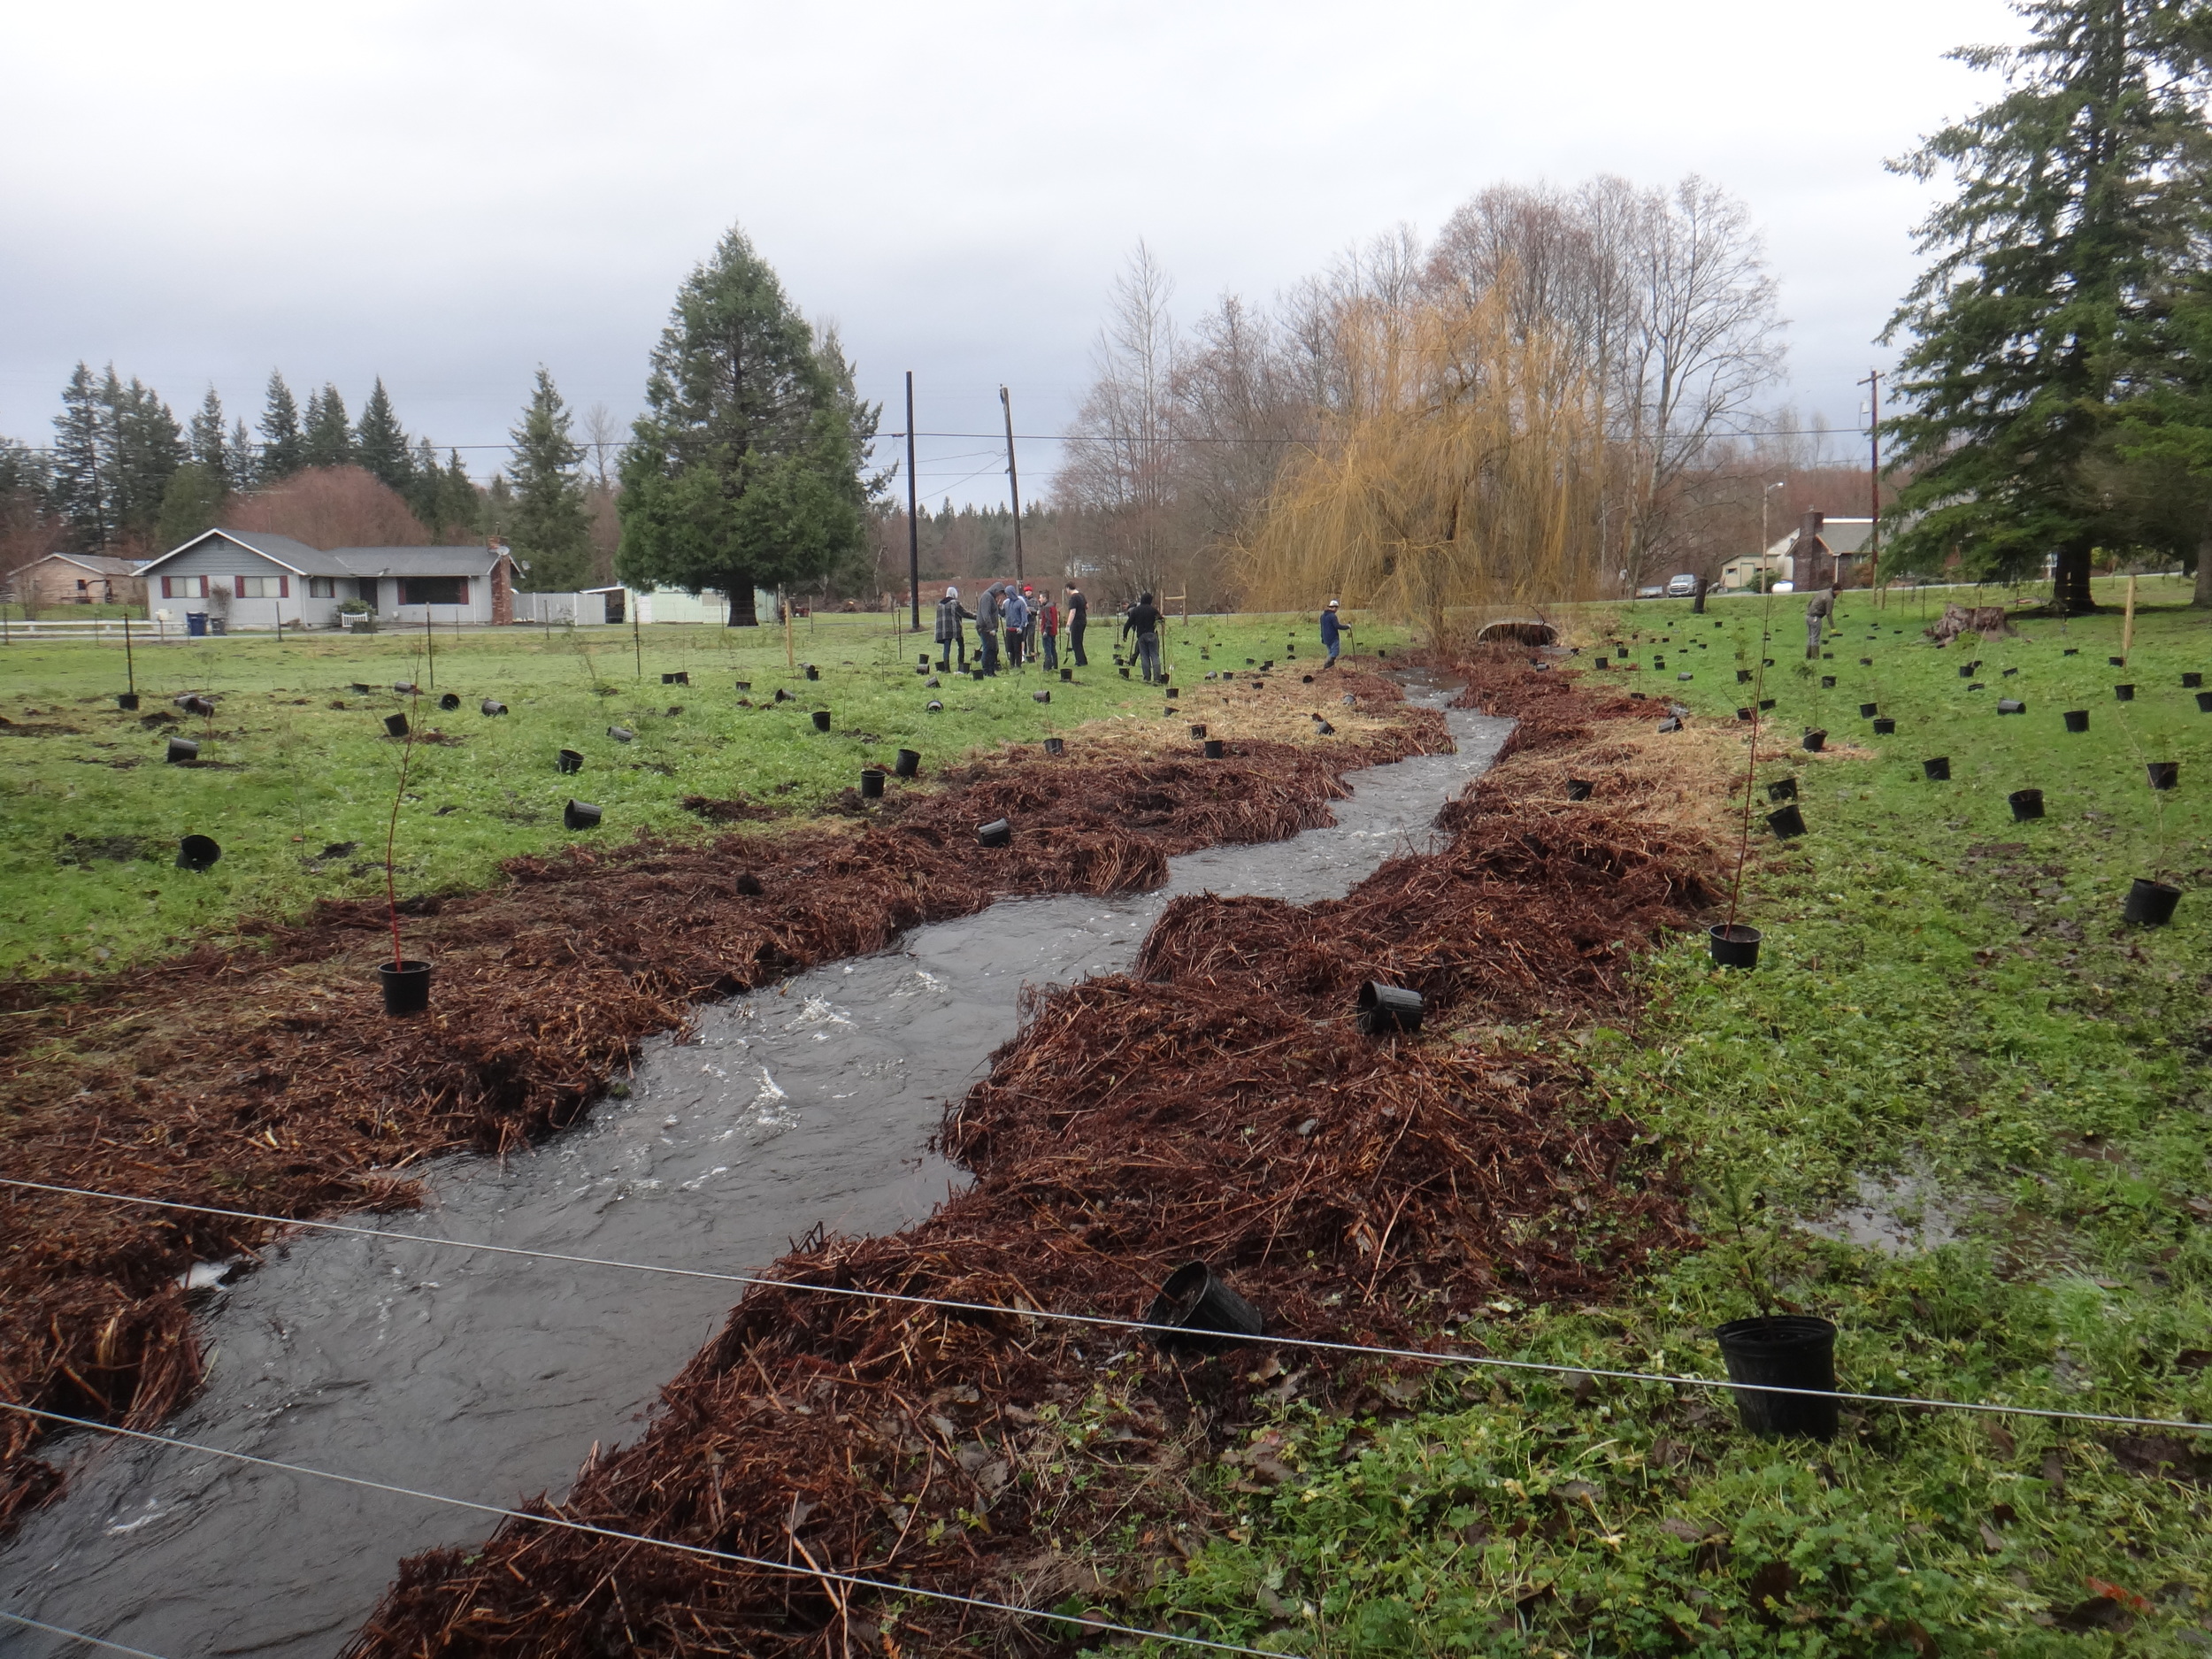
(1332, 626)
(1817, 615)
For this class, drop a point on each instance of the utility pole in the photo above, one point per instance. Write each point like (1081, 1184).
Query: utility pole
(1013, 480)
(913, 514)
(1873, 383)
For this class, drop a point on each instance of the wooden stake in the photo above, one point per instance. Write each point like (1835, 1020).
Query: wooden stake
(783, 603)
(2127, 623)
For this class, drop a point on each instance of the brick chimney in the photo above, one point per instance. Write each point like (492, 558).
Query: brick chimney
(503, 583)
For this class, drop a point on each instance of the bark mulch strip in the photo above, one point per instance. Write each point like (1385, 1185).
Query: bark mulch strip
(266, 1077)
(1218, 1104)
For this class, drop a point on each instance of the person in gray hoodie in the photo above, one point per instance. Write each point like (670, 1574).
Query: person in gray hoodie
(987, 625)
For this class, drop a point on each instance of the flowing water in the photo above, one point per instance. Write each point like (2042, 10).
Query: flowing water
(491, 1378)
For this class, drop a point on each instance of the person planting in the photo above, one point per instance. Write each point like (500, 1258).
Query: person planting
(1079, 619)
(1816, 615)
(1332, 627)
(988, 620)
(1143, 620)
(950, 636)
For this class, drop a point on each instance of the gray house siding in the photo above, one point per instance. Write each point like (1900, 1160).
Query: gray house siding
(220, 564)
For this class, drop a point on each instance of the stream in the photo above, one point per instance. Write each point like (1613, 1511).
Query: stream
(491, 1378)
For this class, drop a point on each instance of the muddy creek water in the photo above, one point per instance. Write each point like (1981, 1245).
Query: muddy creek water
(490, 1378)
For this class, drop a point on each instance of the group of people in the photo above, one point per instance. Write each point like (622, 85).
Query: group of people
(1013, 625)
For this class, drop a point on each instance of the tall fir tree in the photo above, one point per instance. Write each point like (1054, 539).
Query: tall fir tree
(741, 470)
(147, 447)
(421, 488)
(2076, 210)
(193, 502)
(245, 465)
(80, 493)
(209, 439)
(549, 531)
(283, 445)
(459, 509)
(380, 443)
(326, 438)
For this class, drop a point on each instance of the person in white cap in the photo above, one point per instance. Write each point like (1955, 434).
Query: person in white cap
(949, 635)
(1331, 627)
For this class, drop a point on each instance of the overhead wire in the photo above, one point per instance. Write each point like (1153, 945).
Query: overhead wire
(1107, 1322)
(617, 1535)
(76, 1635)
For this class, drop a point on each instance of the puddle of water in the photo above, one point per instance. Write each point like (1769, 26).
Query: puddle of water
(491, 1378)
(1900, 1215)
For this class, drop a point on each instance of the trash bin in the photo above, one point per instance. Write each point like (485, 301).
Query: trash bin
(195, 624)
(215, 626)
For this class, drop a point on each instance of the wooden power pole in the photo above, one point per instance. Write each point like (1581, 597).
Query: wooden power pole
(1873, 383)
(913, 511)
(1013, 479)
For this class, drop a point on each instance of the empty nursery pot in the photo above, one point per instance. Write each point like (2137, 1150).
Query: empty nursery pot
(1124, 674)
(362, 685)
(909, 763)
(681, 677)
(813, 672)
(1733, 945)
(196, 705)
(571, 760)
(1783, 1350)
(2116, 662)
(1866, 661)
(1056, 746)
(2026, 804)
(182, 749)
(1884, 727)
(1040, 697)
(1766, 705)
(1198, 1314)
(197, 852)
(1937, 771)
(2011, 705)
(492, 706)
(1215, 750)
(1067, 675)
(2204, 703)
(781, 694)
(1198, 731)
(977, 673)
(1386, 1007)
(2125, 693)
(1743, 714)
(1815, 741)
(922, 658)
(1827, 682)
(127, 701)
(395, 724)
(1966, 670)
(2076, 719)
(2150, 903)
(2008, 673)
(2190, 682)
(744, 685)
(1866, 710)
(1578, 789)
(621, 733)
(1173, 694)
(1743, 676)
(1787, 822)
(406, 986)
(997, 833)
(821, 719)
(933, 707)
(449, 703)
(1782, 790)
(871, 783)
(581, 815)
(2071, 650)
(2164, 773)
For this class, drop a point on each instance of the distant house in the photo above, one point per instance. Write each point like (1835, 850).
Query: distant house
(256, 580)
(1807, 557)
(79, 578)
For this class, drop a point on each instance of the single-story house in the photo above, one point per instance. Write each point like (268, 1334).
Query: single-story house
(254, 580)
(1817, 543)
(79, 578)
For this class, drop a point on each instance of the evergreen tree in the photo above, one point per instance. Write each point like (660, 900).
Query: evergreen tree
(380, 443)
(24, 472)
(423, 481)
(549, 532)
(2077, 204)
(245, 466)
(80, 492)
(283, 446)
(147, 447)
(210, 439)
(326, 438)
(192, 502)
(742, 472)
(460, 503)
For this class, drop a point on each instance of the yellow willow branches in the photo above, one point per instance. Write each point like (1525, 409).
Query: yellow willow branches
(1458, 470)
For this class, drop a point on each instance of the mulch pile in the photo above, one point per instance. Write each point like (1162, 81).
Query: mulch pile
(1218, 1104)
(267, 1078)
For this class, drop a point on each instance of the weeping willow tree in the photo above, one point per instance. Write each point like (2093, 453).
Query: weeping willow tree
(1458, 470)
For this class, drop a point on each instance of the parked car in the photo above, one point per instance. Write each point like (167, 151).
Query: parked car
(1682, 586)
(1653, 592)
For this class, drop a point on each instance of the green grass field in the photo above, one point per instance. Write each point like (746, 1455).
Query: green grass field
(1948, 1023)
(300, 788)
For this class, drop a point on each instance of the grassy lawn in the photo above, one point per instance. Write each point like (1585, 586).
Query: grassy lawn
(1950, 1027)
(300, 774)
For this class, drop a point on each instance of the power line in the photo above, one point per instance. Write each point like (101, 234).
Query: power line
(616, 1535)
(1107, 1322)
(77, 1635)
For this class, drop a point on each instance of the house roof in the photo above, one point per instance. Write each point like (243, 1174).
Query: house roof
(99, 564)
(297, 557)
(349, 562)
(1837, 535)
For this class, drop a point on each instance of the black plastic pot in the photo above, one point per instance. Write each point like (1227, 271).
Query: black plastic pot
(2011, 705)
(1827, 682)
(396, 724)
(1056, 746)
(449, 703)
(1787, 822)
(1215, 750)
(1815, 741)
(1767, 662)
(2117, 661)
(196, 705)
(1743, 714)
(2071, 650)
(1782, 790)
(997, 833)
(1866, 661)
(571, 760)
(2190, 682)
(127, 701)
(492, 706)
(1124, 672)
(977, 673)
(1067, 675)
(744, 685)
(909, 762)
(933, 707)
(1966, 670)
(2204, 703)
(2026, 804)
(1766, 705)
(1388, 1008)
(1866, 710)
(1040, 697)
(2008, 673)
(2125, 693)
(781, 694)
(1733, 945)
(2150, 903)
(1198, 1314)
(813, 672)
(1173, 693)
(871, 783)
(1783, 1350)
(406, 986)
(821, 719)
(581, 815)
(182, 749)
(1884, 727)
(2076, 719)
(621, 733)
(1937, 771)
(2164, 773)
(1198, 730)
(1578, 789)
(682, 677)
(197, 852)
(362, 685)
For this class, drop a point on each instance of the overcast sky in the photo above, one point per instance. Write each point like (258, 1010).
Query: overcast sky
(449, 195)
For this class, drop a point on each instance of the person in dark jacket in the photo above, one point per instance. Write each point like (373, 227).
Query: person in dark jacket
(988, 623)
(1143, 620)
(1330, 628)
(950, 635)
(1079, 619)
